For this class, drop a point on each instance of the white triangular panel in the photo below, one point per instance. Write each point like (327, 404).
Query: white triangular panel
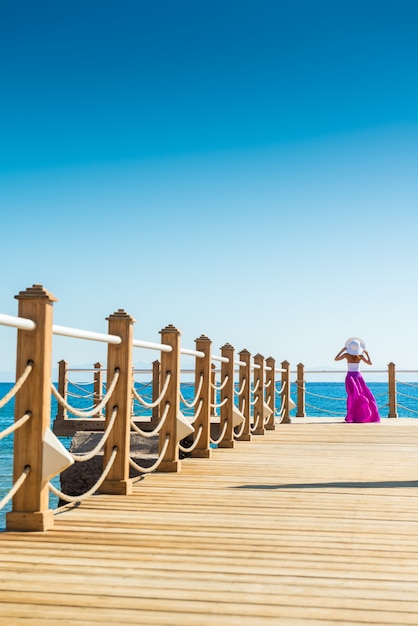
(184, 427)
(267, 411)
(55, 457)
(237, 417)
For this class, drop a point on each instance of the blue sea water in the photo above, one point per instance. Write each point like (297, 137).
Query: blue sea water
(322, 399)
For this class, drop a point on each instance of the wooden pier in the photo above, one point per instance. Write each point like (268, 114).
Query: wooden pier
(313, 523)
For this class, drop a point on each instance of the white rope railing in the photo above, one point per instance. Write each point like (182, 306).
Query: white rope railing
(151, 405)
(238, 434)
(92, 490)
(255, 425)
(317, 395)
(147, 397)
(17, 485)
(91, 453)
(279, 391)
(191, 404)
(195, 442)
(19, 383)
(218, 405)
(255, 399)
(156, 430)
(280, 413)
(282, 388)
(97, 408)
(402, 382)
(146, 391)
(317, 408)
(148, 470)
(146, 385)
(405, 395)
(220, 385)
(197, 412)
(342, 371)
(80, 396)
(241, 390)
(222, 435)
(86, 393)
(257, 386)
(266, 419)
(16, 425)
(401, 406)
(380, 395)
(82, 387)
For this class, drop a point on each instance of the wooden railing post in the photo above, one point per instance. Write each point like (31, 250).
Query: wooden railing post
(170, 364)
(286, 392)
(227, 394)
(244, 403)
(30, 504)
(155, 391)
(300, 384)
(270, 391)
(119, 356)
(203, 370)
(62, 413)
(98, 385)
(259, 396)
(392, 390)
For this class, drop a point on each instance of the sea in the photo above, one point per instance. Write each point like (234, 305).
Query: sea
(322, 399)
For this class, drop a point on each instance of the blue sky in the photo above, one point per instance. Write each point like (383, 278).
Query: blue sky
(246, 170)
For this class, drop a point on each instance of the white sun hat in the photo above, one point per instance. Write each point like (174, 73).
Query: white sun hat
(355, 345)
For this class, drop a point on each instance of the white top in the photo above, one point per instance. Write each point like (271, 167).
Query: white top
(353, 367)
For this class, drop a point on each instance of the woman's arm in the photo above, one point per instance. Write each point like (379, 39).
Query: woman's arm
(366, 358)
(341, 355)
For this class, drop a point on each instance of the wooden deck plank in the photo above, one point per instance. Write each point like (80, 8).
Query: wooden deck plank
(314, 523)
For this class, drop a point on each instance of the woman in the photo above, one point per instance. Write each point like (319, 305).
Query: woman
(361, 405)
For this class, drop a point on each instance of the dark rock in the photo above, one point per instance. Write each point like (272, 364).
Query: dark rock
(82, 476)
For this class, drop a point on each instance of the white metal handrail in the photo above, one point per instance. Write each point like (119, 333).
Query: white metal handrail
(87, 369)
(197, 353)
(221, 359)
(162, 347)
(66, 331)
(24, 323)
(17, 322)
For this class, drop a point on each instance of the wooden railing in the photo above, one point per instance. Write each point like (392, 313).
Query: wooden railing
(256, 407)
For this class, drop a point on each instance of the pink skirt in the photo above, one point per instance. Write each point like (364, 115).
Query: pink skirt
(361, 404)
